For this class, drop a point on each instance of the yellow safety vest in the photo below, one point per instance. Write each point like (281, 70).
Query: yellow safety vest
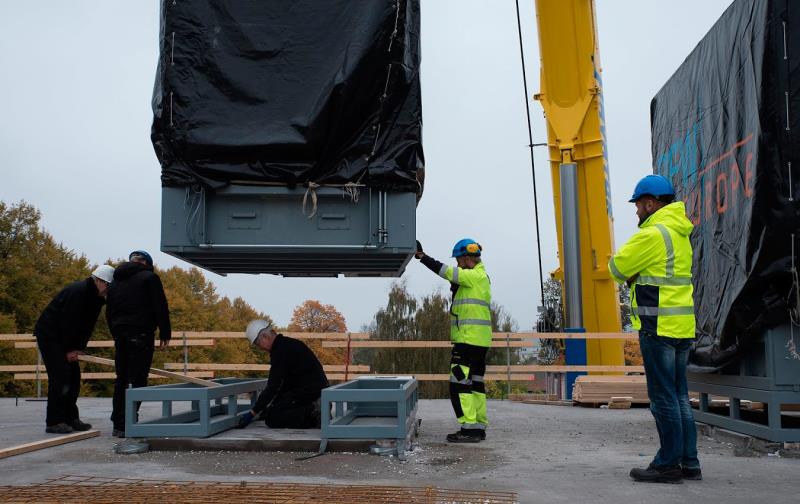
(659, 256)
(470, 314)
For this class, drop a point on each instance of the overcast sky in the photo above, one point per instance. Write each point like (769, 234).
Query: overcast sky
(77, 79)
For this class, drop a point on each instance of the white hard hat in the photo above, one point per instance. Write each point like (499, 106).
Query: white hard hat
(104, 272)
(255, 327)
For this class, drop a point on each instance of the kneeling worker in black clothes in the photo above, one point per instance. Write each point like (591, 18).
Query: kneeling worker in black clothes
(296, 379)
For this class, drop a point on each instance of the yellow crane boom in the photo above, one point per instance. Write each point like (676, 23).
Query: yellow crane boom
(571, 95)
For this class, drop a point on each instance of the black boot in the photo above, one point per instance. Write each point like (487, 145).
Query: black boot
(655, 474)
(60, 428)
(691, 473)
(79, 426)
(463, 436)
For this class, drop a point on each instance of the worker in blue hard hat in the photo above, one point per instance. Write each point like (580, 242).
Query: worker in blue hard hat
(650, 194)
(471, 334)
(136, 307)
(657, 263)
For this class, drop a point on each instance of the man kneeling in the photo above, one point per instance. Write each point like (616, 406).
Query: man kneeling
(296, 379)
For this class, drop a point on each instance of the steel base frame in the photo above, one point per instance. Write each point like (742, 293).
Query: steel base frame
(372, 407)
(214, 409)
(770, 374)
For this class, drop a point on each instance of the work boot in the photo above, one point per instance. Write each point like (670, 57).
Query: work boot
(655, 474)
(463, 436)
(79, 426)
(480, 433)
(691, 473)
(59, 428)
(118, 433)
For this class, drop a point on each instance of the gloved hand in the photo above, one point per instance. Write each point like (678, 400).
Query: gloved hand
(419, 254)
(245, 420)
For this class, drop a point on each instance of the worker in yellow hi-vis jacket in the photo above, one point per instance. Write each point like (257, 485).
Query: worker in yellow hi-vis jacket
(471, 334)
(657, 263)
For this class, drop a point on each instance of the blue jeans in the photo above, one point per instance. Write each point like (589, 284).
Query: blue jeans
(665, 362)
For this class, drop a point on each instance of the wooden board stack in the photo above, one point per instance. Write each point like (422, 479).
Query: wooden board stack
(599, 389)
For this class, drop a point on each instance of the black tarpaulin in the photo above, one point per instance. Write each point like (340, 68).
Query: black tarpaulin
(289, 92)
(724, 130)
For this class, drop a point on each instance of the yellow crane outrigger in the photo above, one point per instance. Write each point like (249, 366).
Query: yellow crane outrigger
(571, 95)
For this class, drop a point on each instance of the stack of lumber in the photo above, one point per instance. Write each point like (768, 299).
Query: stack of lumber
(599, 389)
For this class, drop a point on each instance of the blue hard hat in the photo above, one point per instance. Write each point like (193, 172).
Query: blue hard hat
(652, 185)
(467, 246)
(147, 258)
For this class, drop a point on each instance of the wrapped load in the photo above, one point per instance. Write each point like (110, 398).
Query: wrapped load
(297, 94)
(725, 132)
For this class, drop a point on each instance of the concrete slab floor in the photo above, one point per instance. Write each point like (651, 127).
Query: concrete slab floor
(544, 453)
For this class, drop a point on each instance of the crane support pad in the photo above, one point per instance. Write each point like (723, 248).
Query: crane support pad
(724, 131)
(289, 94)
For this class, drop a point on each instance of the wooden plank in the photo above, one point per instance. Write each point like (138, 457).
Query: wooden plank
(110, 343)
(166, 374)
(607, 378)
(358, 368)
(47, 443)
(241, 335)
(415, 344)
(552, 368)
(14, 368)
(586, 336)
(111, 376)
(16, 337)
(498, 336)
(361, 368)
(439, 377)
(420, 344)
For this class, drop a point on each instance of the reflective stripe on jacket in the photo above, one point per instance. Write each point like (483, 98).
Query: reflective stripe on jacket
(470, 314)
(658, 258)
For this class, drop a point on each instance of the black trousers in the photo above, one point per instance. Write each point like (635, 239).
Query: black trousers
(467, 388)
(293, 411)
(63, 383)
(132, 359)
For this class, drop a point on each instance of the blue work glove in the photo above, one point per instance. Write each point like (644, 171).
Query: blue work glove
(245, 420)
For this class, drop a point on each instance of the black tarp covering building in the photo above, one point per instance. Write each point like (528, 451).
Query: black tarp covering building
(724, 130)
(289, 93)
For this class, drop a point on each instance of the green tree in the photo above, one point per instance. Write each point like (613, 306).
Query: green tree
(33, 268)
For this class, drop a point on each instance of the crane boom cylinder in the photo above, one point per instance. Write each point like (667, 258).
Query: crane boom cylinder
(570, 225)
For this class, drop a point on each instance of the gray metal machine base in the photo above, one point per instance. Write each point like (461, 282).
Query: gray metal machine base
(213, 409)
(374, 407)
(770, 375)
(290, 232)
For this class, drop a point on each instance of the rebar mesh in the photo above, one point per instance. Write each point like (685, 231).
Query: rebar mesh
(82, 489)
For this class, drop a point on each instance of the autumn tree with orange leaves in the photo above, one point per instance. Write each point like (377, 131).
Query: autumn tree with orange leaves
(313, 316)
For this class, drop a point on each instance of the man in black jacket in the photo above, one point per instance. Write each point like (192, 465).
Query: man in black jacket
(62, 333)
(296, 379)
(137, 306)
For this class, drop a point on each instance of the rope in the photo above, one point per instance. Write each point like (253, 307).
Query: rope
(530, 146)
(312, 189)
(351, 189)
